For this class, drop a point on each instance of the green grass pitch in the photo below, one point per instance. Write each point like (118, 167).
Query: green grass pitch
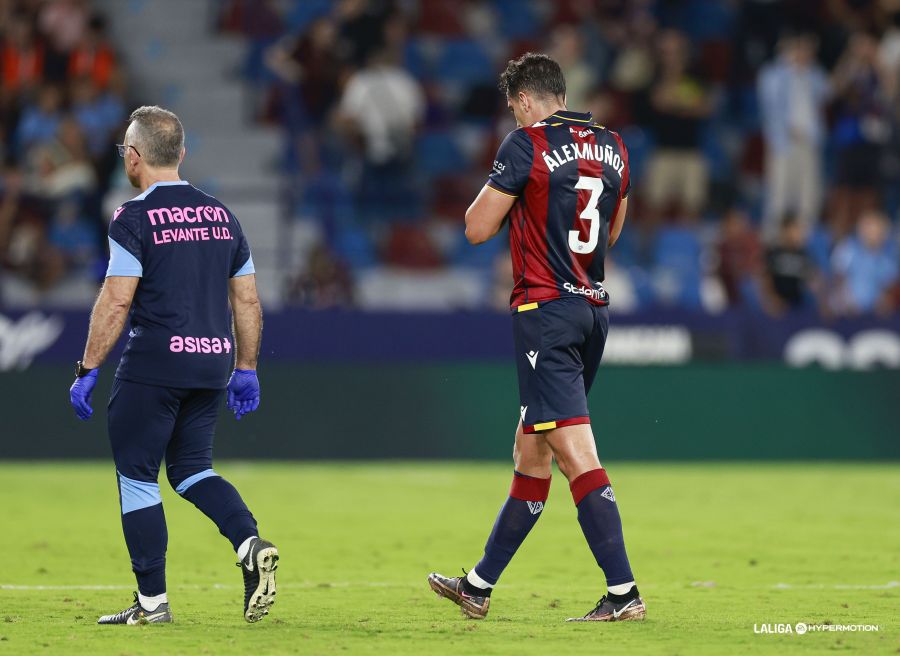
(717, 549)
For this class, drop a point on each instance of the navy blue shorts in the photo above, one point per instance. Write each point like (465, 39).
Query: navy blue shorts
(148, 423)
(559, 344)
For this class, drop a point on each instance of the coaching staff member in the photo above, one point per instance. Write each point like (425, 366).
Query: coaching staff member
(177, 257)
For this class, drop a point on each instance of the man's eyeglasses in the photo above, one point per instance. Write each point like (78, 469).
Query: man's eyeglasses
(121, 148)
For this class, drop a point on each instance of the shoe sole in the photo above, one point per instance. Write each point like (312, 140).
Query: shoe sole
(264, 596)
(630, 615)
(441, 590)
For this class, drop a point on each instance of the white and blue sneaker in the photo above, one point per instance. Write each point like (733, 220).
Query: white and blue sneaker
(137, 614)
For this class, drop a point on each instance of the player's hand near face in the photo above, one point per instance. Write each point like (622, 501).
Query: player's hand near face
(80, 395)
(243, 392)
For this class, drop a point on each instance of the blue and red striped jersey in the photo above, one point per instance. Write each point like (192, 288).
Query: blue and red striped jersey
(569, 176)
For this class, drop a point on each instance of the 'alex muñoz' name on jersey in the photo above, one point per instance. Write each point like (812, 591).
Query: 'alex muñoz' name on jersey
(184, 245)
(569, 176)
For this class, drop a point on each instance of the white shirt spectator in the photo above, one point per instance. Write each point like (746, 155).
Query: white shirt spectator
(387, 104)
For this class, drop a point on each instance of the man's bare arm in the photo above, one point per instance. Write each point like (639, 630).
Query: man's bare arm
(618, 222)
(247, 320)
(485, 215)
(108, 318)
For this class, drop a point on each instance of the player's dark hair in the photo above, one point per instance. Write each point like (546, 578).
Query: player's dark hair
(533, 72)
(158, 135)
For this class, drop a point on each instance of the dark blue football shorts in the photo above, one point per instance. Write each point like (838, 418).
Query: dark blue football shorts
(558, 344)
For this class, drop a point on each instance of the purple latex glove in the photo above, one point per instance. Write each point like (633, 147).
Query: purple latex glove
(243, 392)
(80, 395)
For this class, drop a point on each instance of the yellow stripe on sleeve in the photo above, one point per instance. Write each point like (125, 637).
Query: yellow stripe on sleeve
(500, 192)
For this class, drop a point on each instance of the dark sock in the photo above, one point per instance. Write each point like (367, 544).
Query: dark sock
(628, 596)
(598, 515)
(475, 591)
(518, 515)
(147, 538)
(219, 500)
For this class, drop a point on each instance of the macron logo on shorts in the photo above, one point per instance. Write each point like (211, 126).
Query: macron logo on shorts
(532, 358)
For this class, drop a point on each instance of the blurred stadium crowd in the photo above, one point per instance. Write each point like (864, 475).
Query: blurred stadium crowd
(764, 140)
(61, 105)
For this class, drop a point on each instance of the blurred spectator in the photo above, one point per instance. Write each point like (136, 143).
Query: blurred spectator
(567, 49)
(256, 19)
(21, 57)
(381, 109)
(351, 65)
(10, 189)
(71, 237)
(862, 129)
(325, 282)
(411, 247)
(23, 233)
(633, 65)
(383, 105)
(365, 28)
(865, 266)
(740, 258)
(679, 104)
(60, 170)
(789, 270)
(308, 76)
(93, 57)
(793, 91)
(306, 63)
(40, 122)
(99, 114)
(889, 54)
(602, 106)
(63, 22)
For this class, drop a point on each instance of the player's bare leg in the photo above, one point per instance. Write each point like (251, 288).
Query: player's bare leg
(531, 482)
(576, 454)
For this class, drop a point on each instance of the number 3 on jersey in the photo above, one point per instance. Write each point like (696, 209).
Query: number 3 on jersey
(590, 214)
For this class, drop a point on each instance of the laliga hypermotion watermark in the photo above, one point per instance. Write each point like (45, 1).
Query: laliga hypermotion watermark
(802, 628)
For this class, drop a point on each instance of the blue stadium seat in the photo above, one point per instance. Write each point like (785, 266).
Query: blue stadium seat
(516, 19)
(354, 246)
(677, 265)
(713, 150)
(640, 146)
(305, 12)
(437, 154)
(464, 61)
(482, 257)
(706, 19)
(415, 58)
(819, 244)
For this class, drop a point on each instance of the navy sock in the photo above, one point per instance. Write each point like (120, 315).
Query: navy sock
(598, 515)
(219, 500)
(147, 538)
(518, 515)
